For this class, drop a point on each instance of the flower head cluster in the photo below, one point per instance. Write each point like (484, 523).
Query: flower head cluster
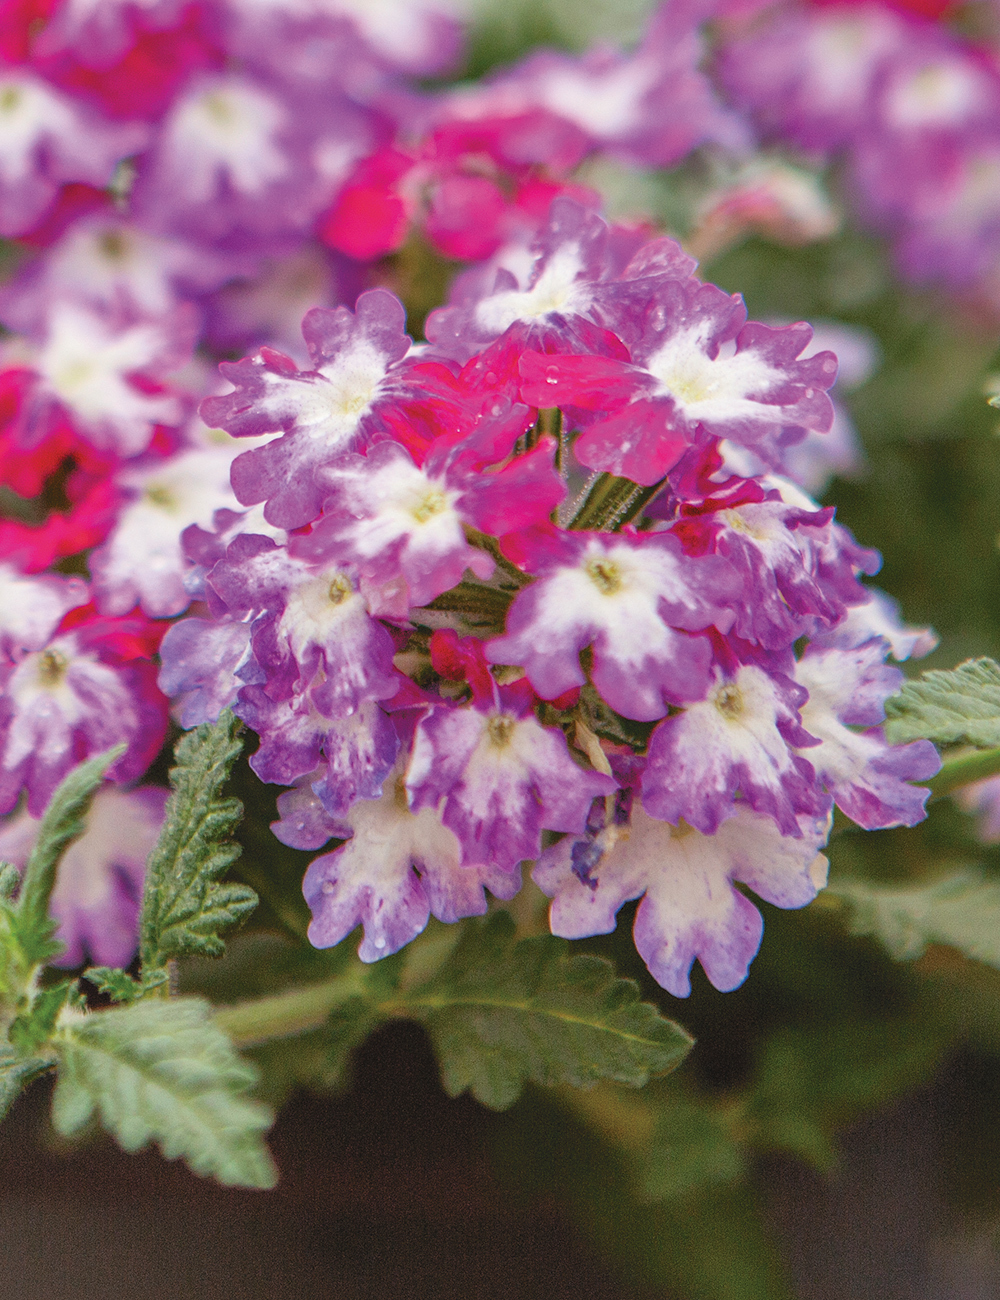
(522, 599)
(537, 589)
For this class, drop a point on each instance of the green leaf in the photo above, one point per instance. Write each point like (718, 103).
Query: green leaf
(955, 706)
(16, 1073)
(162, 1071)
(961, 911)
(500, 1013)
(184, 907)
(120, 986)
(63, 821)
(692, 1148)
(810, 1082)
(34, 1028)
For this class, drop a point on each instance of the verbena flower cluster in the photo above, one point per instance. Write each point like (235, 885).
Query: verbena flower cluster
(544, 588)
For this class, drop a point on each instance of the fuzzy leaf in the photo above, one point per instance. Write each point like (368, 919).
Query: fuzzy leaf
(957, 706)
(16, 1073)
(500, 1013)
(162, 1071)
(184, 907)
(962, 911)
(28, 922)
(120, 986)
(34, 1028)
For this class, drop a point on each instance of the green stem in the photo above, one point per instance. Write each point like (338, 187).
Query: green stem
(956, 772)
(285, 1015)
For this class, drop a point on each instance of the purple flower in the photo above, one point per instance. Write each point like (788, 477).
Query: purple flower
(877, 617)
(89, 362)
(98, 889)
(74, 698)
(143, 561)
(348, 758)
(244, 159)
(499, 778)
(737, 744)
(397, 521)
(797, 572)
(649, 107)
(321, 412)
(576, 281)
(701, 367)
(397, 868)
(811, 75)
(200, 661)
(868, 778)
(312, 630)
(47, 139)
(690, 906)
(106, 263)
(626, 595)
(31, 608)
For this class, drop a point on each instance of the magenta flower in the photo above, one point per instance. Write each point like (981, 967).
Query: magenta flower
(698, 367)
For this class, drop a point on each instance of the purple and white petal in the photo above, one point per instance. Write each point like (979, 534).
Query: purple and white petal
(31, 608)
(633, 598)
(735, 745)
(395, 869)
(690, 909)
(200, 661)
(394, 519)
(87, 363)
(499, 780)
(868, 778)
(321, 413)
(143, 561)
(62, 704)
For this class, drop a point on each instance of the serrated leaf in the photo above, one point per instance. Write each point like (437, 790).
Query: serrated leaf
(961, 911)
(120, 986)
(16, 1073)
(501, 1013)
(64, 821)
(162, 1071)
(34, 1028)
(184, 907)
(954, 706)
